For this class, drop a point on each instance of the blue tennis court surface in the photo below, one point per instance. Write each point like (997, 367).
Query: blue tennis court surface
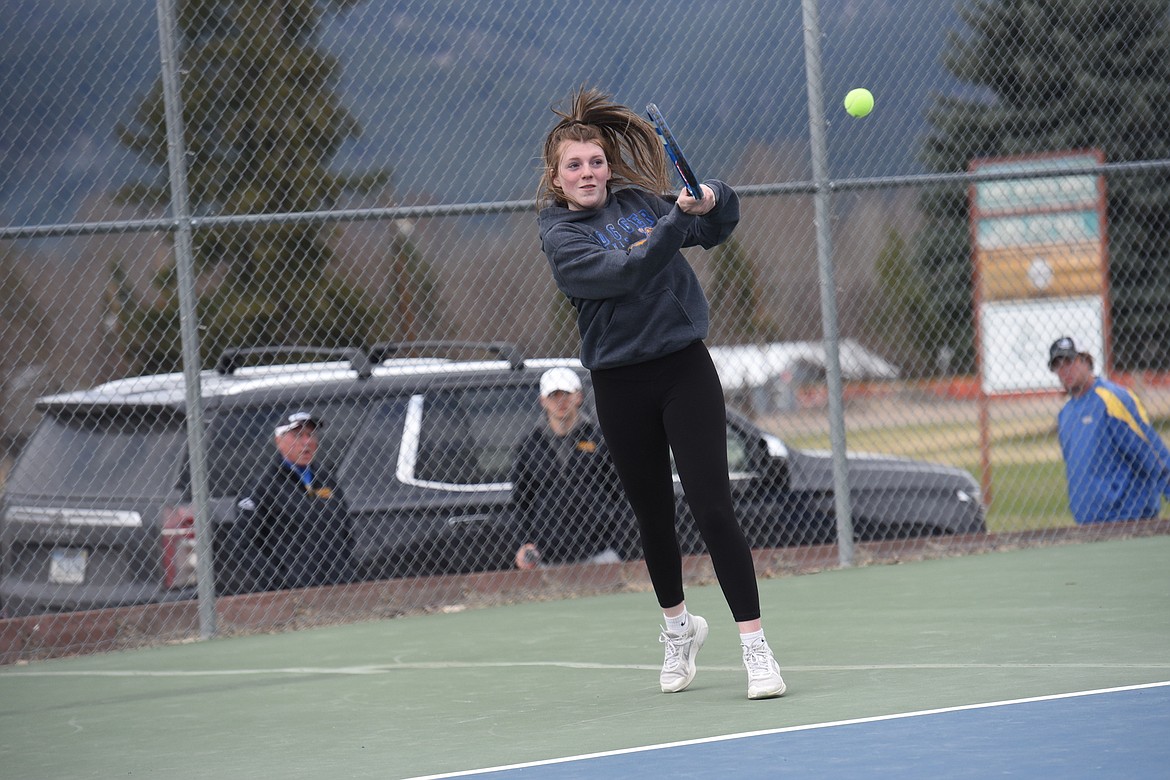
(1120, 733)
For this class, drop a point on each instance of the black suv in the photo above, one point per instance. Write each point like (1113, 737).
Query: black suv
(97, 512)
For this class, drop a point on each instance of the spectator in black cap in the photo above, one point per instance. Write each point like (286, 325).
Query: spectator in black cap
(1117, 466)
(295, 523)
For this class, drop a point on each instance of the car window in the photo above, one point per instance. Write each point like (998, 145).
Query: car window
(466, 437)
(499, 418)
(371, 460)
(738, 459)
(104, 452)
(738, 454)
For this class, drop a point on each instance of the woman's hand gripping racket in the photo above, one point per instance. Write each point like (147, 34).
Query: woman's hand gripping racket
(674, 152)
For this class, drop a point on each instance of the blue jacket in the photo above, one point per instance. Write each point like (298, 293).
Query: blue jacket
(637, 298)
(1118, 468)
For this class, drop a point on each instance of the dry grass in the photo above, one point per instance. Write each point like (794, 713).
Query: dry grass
(1020, 429)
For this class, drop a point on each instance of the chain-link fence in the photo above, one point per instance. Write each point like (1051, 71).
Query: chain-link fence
(328, 206)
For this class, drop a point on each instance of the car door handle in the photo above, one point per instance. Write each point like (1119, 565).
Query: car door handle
(465, 519)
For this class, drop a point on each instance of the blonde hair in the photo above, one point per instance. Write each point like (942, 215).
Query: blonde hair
(632, 147)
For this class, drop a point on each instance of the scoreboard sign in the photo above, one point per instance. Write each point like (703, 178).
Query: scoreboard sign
(1041, 269)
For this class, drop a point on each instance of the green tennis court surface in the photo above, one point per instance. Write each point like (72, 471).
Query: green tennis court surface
(540, 681)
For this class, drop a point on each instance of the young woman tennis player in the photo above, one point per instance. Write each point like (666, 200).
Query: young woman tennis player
(613, 243)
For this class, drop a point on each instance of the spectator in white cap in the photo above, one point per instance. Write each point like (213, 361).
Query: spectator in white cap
(565, 492)
(1116, 464)
(294, 524)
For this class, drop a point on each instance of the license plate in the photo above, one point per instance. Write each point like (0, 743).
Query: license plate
(67, 566)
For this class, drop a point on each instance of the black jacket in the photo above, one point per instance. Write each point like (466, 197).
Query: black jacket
(637, 298)
(293, 535)
(573, 510)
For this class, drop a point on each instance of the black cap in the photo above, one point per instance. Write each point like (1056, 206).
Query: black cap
(1063, 347)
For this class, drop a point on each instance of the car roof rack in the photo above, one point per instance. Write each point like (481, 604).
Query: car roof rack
(501, 349)
(235, 357)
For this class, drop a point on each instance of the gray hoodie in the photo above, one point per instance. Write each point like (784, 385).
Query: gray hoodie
(636, 296)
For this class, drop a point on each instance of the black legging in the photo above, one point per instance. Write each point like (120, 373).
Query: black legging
(675, 403)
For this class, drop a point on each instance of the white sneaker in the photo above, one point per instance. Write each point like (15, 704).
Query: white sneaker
(764, 680)
(679, 667)
(608, 555)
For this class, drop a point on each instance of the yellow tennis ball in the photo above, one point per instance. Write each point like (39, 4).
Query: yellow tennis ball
(859, 102)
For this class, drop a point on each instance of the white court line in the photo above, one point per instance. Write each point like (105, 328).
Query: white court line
(17, 672)
(789, 729)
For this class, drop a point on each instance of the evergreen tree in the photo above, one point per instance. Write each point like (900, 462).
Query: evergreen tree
(564, 337)
(24, 324)
(907, 320)
(1057, 75)
(27, 333)
(415, 309)
(262, 121)
(734, 299)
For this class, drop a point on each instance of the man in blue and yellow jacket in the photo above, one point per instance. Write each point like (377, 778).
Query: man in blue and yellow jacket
(1117, 465)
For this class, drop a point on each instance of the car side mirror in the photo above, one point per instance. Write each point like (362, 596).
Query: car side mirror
(775, 453)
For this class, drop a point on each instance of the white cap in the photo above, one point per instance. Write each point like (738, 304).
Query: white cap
(563, 379)
(297, 420)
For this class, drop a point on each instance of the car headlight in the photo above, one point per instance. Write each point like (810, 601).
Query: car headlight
(776, 446)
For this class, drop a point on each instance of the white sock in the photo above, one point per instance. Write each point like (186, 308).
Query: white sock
(677, 625)
(749, 638)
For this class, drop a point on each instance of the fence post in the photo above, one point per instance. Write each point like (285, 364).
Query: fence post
(822, 211)
(188, 318)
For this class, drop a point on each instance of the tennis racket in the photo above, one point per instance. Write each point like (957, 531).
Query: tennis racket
(674, 152)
